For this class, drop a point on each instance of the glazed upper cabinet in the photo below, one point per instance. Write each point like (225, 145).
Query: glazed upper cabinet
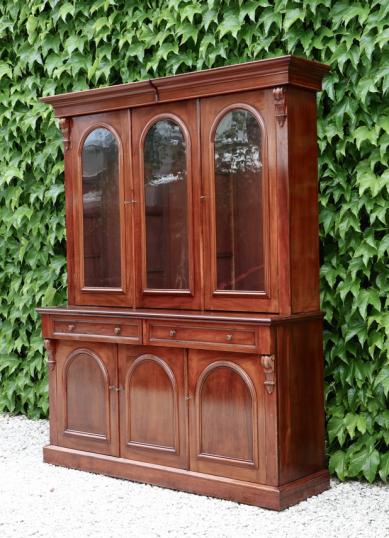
(154, 191)
(206, 202)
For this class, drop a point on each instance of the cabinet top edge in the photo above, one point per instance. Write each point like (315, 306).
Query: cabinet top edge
(283, 70)
(177, 315)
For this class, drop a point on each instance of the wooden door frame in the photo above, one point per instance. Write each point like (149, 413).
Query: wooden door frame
(265, 301)
(117, 123)
(106, 357)
(185, 115)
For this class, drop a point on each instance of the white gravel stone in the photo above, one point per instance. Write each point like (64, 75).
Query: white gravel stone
(42, 500)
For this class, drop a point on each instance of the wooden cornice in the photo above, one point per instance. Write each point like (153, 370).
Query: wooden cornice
(284, 70)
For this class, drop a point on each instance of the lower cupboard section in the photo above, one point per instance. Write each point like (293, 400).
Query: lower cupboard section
(185, 409)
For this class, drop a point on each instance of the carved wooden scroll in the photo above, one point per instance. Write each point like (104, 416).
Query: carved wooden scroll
(268, 365)
(66, 126)
(50, 348)
(279, 95)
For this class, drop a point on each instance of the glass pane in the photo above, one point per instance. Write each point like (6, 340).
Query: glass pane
(239, 229)
(100, 196)
(166, 207)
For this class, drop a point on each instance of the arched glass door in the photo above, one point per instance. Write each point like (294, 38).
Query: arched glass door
(167, 184)
(239, 256)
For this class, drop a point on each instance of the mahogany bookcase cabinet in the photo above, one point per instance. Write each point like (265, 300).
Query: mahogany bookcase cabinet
(190, 354)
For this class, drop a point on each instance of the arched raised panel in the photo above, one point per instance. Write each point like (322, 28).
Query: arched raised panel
(86, 395)
(226, 410)
(100, 162)
(238, 169)
(165, 169)
(151, 404)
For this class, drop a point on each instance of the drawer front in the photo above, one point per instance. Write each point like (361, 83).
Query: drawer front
(207, 336)
(99, 330)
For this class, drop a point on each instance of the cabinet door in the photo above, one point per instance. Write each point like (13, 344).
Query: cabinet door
(167, 204)
(237, 137)
(153, 417)
(227, 415)
(87, 400)
(102, 243)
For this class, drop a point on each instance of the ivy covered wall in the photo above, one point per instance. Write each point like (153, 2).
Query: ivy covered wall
(53, 46)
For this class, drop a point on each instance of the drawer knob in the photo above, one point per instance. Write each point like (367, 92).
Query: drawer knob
(117, 330)
(228, 337)
(173, 333)
(71, 327)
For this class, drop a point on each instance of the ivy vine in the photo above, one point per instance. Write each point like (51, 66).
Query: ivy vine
(54, 46)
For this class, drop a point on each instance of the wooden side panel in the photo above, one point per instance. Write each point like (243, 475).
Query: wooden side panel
(277, 102)
(300, 399)
(304, 220)
(153, 423)
(87, 403)
(227, 415)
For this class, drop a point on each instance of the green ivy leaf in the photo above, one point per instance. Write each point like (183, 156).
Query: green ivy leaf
(383, 379)
(337, 464)
(384, 467)
(230, 24)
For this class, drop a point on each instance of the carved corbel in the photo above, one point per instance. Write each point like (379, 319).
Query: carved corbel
(66, 127)
(268, 365)
(50, 348)
(279, 95)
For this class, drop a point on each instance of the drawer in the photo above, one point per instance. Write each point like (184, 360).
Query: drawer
(106, 330)
(207, 336)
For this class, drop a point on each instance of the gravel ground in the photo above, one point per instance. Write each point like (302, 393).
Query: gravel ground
(37, 499)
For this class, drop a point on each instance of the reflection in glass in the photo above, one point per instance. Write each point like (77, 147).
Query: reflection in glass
(100, 196)
(165, 178)
(238, 192)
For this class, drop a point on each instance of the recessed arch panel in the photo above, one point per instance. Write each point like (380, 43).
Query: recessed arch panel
(226, 403)
(86, 375)
(151, 404)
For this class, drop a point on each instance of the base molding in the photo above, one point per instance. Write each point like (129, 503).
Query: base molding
(274, 498)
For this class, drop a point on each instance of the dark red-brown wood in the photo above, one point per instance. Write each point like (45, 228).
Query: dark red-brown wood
(184, 115)
(227, 418)
(212, 112)
(285, 70)
(87, 414)
(153, 415)
(79, 293)
(199, 367)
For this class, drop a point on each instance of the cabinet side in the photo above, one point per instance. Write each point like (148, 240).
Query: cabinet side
(300, 391)
(303, 201)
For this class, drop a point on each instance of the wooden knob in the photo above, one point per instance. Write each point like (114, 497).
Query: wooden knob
(173, 333)
(117, 330)
(71, 327)
(228, 337)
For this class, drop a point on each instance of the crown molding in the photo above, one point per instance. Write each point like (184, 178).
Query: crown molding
(260, 74)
